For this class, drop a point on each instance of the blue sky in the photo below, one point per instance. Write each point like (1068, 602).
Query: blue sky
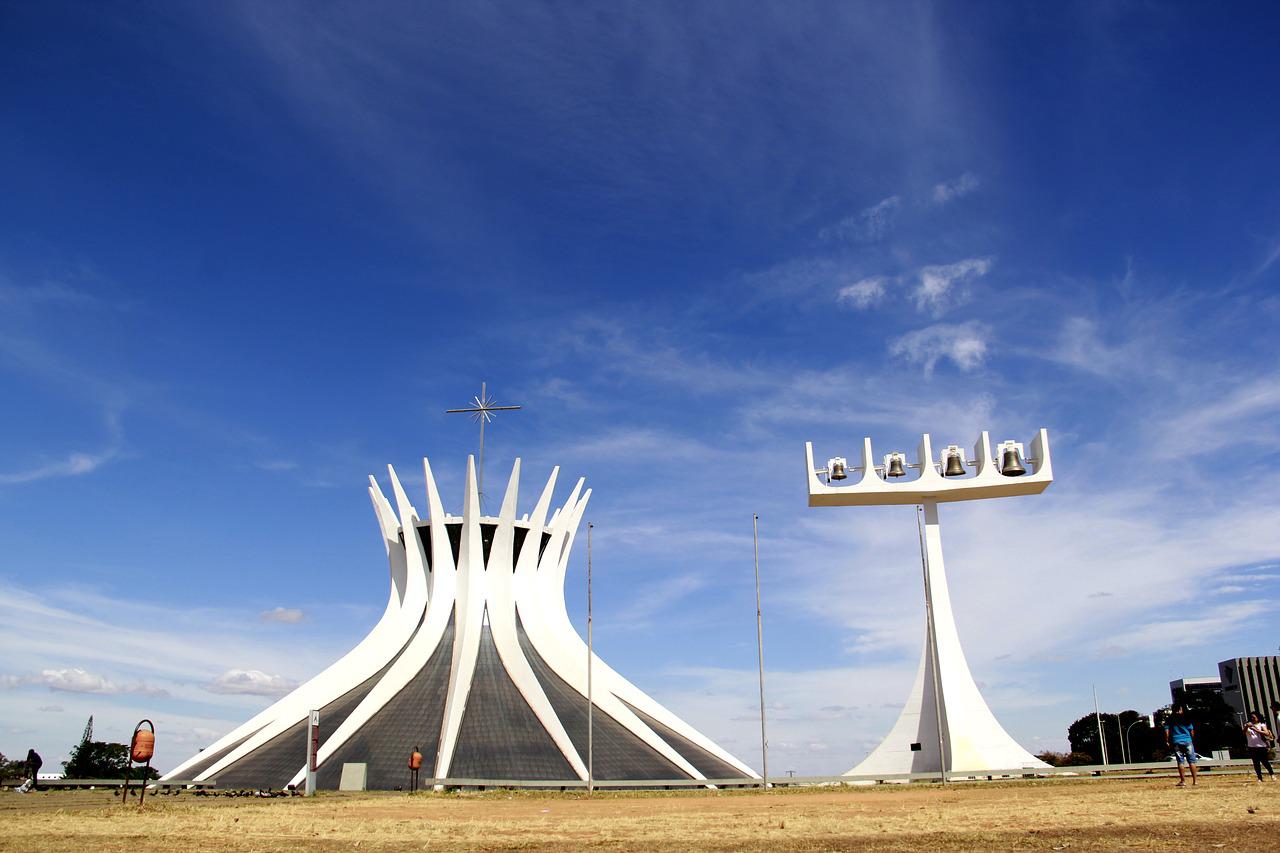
(249, 253)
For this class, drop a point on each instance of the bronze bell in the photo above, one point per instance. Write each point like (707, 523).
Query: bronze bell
(955, 467)
(838, 471)
(895, 467)
(1011, 465)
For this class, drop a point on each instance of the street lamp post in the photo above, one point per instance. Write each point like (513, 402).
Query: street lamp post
(1149, 720)
(1124, 757)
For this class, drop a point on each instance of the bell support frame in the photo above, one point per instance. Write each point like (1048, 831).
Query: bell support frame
(986, 482)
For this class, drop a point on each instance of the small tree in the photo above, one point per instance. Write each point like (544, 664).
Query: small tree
(97, 759)
(11, 769)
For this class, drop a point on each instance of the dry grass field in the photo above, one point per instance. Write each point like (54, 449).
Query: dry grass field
(1222, 813)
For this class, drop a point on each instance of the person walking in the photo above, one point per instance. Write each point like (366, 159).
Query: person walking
(1179, 735)
(1258, 738)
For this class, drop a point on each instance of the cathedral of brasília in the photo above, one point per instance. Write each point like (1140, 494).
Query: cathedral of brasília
(474, 663)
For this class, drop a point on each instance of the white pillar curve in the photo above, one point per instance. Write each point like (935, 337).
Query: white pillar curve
(974, 739)
(424, 643)
(502, 623)
(546, 621)
(469, 613)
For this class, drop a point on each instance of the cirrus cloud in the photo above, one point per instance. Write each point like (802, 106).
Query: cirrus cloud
(955, 188)
(863, 294)
(964, 344)
(944, 285)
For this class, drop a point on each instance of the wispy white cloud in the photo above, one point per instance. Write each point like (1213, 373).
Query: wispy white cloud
(282, 615)
(1268, 260)
(150, 644)
(1188, 629)
(74, 465)
(656, 599)
(1245, 415)
(863, 294)
(955, 188)
(867, 225)
(943, 286)
(78, 680)
(45, 293)
(250, 682)
(964, 344)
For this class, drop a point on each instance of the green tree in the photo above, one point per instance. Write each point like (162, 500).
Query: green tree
(95, 759)
(11, 770)
(1143, 743)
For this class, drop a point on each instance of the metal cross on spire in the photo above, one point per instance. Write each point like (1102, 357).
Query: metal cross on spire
(481, 411)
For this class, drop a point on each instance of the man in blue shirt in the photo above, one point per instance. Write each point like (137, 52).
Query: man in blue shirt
(1178, 734)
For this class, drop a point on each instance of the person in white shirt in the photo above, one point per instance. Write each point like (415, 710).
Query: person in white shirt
(1258, 738)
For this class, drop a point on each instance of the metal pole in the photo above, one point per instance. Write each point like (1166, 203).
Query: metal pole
(932, 640)
(1127, 743)
(480, 472)
(764, 741)
(1097, 716)
(591, 776)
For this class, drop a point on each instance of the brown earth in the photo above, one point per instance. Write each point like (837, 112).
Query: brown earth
(1221, 813)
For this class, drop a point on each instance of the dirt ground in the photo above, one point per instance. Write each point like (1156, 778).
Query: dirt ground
(1221, 813)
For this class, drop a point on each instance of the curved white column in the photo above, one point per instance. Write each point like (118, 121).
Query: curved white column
(439, 609)
(469, 616)
(546, 621)
(975, 740)
(502, 618)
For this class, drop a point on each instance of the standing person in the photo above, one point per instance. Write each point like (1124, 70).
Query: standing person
(31, 770)
(1258, 738)
(1179, 733)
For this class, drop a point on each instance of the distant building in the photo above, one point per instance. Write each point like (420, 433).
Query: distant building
(1195, 693)
(1251, 684)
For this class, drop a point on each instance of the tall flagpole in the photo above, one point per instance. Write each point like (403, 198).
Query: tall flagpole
(764, 741)
(591, 776)
(1102, 738)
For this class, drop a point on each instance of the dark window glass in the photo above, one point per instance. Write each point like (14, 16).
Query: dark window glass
(424, 536)
(487, 532)
(455, 538)
(520, 534)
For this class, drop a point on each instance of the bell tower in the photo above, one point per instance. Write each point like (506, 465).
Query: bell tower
(945, 726)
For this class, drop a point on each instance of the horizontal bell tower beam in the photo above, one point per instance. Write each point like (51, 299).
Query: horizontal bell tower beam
(986, 481)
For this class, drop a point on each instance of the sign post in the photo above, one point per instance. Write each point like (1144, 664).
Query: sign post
(313, 747)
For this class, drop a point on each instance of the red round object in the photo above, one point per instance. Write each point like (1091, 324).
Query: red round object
(144, 746)
(415, 761)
